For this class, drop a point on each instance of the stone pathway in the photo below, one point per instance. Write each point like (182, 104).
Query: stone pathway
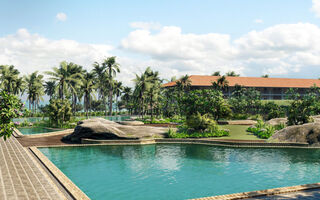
(303, 195)
(21, 177)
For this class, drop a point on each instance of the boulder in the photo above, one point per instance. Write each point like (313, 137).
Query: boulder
(305, 133)
(316, 118)
(99, 128)
(132, 123)
(277, 121)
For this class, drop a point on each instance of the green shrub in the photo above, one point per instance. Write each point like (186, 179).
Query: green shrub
(59, 112)
(272, 110)
(200, 122)
(10, 107)
(263, 130)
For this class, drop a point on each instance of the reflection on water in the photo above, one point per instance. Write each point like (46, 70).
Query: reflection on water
(37, 119)
(182, 171)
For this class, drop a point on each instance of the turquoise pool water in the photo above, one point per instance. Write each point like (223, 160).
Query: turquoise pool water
(37, 119)
(37, 130)
(182, 171)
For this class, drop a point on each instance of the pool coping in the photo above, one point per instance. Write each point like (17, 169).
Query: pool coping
(77, 193)
(64, 181)
(262, 193)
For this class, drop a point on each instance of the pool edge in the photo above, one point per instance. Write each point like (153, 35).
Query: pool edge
(263, 193)
(65, 182)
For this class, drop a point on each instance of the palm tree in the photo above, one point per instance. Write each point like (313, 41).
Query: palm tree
(154, 90)
(184, 83)
(117, 91)
(217, 73)
(50, 88)
(19, 86)
(87, 88)
(112, 68)
(65, 76)
(127, 94)
(35, 90)
(8, 78)
(232, 73)
(102, 81)
(222, 83)
(142, 84)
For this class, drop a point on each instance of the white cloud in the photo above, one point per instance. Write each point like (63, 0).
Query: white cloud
(284, 49)
(146, 25)
(258, 21)
(316, 7)
(61, 17)
(30, 52)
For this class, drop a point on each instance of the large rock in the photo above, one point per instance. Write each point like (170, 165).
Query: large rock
(277, 121)
(132, 123)
(99, 128)
(305, 133)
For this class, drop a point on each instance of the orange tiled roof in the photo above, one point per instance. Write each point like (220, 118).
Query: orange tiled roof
(200, 80)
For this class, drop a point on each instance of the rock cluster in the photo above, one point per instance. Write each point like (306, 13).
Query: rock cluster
(305, 133)
(99, 128)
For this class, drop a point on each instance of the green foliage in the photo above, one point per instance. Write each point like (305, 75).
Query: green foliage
(205, 101)
(200, 122)
(272, 110)
(263, 130)
(59, 112)
(184, 132)
(299, 112)
(245, 100)
(198, 126)
(10, 107)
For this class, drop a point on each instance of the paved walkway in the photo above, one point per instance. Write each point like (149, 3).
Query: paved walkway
(21, 177)
(303, 195)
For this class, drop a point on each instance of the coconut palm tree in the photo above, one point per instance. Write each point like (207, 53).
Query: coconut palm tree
(117, 91)
(112, 68)
(232, 73)
(101, 79)
(65, 75)
(35, 90)
(8, 78)
(154, 90)
(87, 88)
(221, 83)
(127, 95)
(50, 88)
(142, 85)
(19, 86)
(217, 73)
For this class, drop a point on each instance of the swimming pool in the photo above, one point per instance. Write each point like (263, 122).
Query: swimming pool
(182, 171)
(36, 130)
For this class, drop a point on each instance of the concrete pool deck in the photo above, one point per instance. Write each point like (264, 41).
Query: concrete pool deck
(22, 177)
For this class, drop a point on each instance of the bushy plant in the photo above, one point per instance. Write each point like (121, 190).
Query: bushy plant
(299, 112)
(200, 122)
(263, 130)
(271, 110)
(205, 101)
(59, 111)
(10, 107)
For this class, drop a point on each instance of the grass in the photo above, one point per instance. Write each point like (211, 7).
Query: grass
(278, 102)
(238, 132)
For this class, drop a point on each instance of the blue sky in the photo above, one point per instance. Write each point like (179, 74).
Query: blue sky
(252, 37)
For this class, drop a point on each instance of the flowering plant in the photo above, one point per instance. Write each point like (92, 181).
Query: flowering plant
(10, 107)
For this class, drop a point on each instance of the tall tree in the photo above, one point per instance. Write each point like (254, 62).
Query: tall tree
(232, 73)
(65, 75)
(50, 88)
(87, 88)
(217, 73)
(117, 91)
(112, 68)
(9, 77)
(35, 90)
(101, 79)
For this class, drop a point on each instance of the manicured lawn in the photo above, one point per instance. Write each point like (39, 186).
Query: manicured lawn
(278, 102)
(238, 132)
